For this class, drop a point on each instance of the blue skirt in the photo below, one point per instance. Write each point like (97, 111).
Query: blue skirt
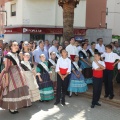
(84, 67)
(77, 84)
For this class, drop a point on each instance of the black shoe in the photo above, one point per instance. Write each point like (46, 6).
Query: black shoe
(16, 111)
(12, 112)
(70, 95)
(41, 100)
(98, 104)
(63, 103)
(92, 106)
(106, 96)
(56, 103)
(111, 97)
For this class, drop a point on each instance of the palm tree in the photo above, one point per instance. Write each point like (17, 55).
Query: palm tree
(68, 17)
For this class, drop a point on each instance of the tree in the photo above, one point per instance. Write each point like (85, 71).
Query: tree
(68, 17)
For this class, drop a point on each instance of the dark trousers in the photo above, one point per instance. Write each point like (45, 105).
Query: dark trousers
(61, 88)
(97, 88)
(108, 82)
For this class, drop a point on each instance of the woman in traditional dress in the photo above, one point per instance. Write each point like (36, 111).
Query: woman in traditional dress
(26, 49)
(44, 81)
(30, 76)
(85, 64)
(14, 92)
(58, 55)
(52, 65)
(77, 83)
(91, 51)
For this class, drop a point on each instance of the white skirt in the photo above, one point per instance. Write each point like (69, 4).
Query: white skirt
(33, 86)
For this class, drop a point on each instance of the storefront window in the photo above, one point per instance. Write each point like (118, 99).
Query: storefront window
(37, 37)
(59, 38)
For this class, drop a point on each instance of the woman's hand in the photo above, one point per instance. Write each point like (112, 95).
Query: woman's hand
(78, 76)
(41, 80)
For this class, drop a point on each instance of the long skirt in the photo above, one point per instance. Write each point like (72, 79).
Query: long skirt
(77, 84)
(33, 86)
(16, 94)
(45, 87)
(87, 72)
(54, 80)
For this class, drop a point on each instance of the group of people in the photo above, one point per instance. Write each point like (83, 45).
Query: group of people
(40, 73)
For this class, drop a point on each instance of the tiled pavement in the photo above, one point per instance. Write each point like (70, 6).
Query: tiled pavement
(77, 108)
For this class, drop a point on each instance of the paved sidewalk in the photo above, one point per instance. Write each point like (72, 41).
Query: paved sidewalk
(77, 108)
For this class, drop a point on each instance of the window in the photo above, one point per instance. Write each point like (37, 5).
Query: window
(59, 38)
(13, 10)
(37, 37)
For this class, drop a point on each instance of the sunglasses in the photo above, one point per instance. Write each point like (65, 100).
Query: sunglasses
(26, 44)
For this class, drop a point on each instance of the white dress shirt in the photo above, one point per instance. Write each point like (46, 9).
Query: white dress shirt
(110, 57)
(72, 50)
(101, 49)
(79, 48)
(53, 49)
(63, 63)
(95, 66)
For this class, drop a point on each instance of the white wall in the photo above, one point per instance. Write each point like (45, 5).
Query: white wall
(16, 37)
(80, 14)
(113, 18)
(43, 13)
(39, 12)
(116, 29)
(14, 20)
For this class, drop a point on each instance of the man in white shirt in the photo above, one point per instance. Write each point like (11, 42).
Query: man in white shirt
(72, 49)
(54, 47)
(100, 47)
(77, 44)
(116, 47)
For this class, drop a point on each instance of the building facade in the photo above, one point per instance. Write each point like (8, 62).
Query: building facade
(113, 16)
(43, 19)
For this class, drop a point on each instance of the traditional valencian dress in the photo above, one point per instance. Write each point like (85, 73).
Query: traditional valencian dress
(77, 84)
(52, 66)
(86, 69)
(31, 80)
(58, 55)
(46, 86)
(16, 94)
(91, 54)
